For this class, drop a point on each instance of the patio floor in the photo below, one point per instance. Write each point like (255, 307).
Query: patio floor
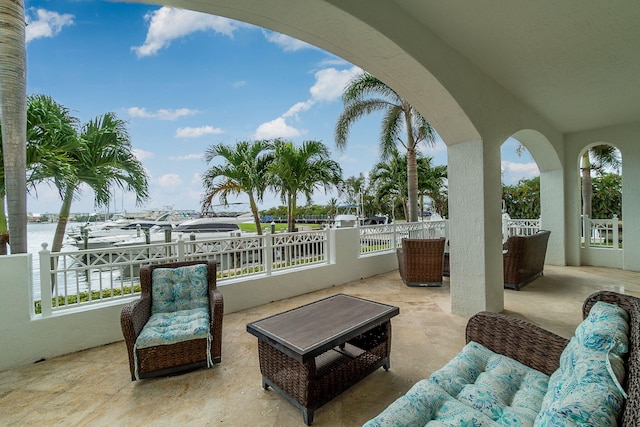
(93, 387)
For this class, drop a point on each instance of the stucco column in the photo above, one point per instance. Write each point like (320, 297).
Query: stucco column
(475, 228)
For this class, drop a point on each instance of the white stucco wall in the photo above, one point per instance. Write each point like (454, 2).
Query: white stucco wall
(26, 338)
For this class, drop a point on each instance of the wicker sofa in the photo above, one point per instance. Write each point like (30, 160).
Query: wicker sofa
(554, 367)
(523, 258)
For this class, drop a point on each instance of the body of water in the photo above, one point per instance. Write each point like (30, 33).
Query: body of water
(37, 234)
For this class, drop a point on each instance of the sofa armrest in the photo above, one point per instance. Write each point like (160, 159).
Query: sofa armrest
(529, 344)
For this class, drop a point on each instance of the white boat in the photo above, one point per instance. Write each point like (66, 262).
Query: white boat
(200, 228)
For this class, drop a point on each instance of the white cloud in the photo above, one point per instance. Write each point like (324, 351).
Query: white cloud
(190, 132)
(193, 156)
(328, 87)
(45, 23)
(161, 114)
(240, 83)
(141, 154)
(277, 128)
(287, 43)
(167, 24)
(196, 179)
(170, 181)
(513, 171)
(330, 83)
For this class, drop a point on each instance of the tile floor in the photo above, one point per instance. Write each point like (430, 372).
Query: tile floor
(93, 387)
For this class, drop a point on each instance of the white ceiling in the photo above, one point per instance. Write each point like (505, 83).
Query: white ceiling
(576, 62)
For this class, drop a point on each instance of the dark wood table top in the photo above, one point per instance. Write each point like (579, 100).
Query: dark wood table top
(310, 330)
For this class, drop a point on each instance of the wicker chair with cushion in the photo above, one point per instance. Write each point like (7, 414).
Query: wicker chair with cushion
(176, 325)
(523, 259)
(420, 261)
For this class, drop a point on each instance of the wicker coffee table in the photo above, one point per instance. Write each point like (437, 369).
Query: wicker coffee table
(312, 353)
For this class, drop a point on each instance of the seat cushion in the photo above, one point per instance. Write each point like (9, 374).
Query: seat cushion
(172, 328)
(477, 386)
(181, 288)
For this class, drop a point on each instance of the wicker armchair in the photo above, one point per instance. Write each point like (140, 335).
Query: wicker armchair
(188, 353)
(523, 259)
(420, 261)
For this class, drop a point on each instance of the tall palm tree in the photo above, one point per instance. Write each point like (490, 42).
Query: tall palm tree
(301, 170)
(244, 171)
(366, 94)
(596, 159)
(13, 118)
(102, 159)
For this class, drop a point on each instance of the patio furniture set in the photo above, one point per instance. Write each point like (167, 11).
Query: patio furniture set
(423, 262)
(314, 352)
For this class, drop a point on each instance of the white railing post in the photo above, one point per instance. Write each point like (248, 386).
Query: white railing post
(268, 252)
(45, 281)
(180, 243)
(616, 229)
(394, 243)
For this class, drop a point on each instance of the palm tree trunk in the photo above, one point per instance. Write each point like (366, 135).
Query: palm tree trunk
(587, 185)
(58, 237)
(254, 211)
(291, 220)
(4, 232)
(412, 184)
(13, 117)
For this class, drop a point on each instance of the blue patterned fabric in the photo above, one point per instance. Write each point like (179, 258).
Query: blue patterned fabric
(171, 328)
(476, 388)
(585, 390)
(181, 288)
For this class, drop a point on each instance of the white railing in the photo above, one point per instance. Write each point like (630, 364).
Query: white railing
(602, 233)
(77, 278)
(519, 227)
(380, 238)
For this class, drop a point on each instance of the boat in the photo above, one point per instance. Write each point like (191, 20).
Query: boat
(199, 229)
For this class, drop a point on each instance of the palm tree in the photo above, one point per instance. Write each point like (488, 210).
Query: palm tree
(301, 170)
(13, 119)
(366, 94)
(596, 159)
(431, 183)
(102, 159)
(352, 189)
(390, 181)
(244, 171)
(50, 136)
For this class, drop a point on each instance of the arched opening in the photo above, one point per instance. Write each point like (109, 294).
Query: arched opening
(600, 187)
(534, 180)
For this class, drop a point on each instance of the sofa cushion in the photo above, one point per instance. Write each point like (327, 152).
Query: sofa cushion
(605, 328)
(586, 390)
(181, 288)
(477, 385)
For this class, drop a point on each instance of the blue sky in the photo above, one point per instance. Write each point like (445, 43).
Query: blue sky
(184, 81)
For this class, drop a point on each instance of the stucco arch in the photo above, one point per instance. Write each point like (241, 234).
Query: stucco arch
(365, 44)
(552, 190)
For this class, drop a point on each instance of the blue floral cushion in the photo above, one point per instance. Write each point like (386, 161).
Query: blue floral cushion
(171, 328)
(605, 328)
(477, 387)
(181, 288)
(585, 390)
